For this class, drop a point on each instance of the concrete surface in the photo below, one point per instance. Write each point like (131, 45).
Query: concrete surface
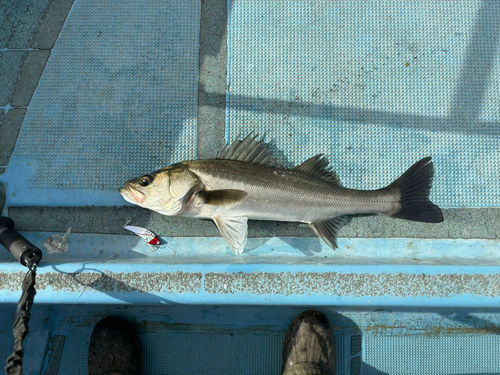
(212, 78)
(32, 24)
(10, 65)
(458, 223)
(10, 124)
(28, 31)
(30, 71)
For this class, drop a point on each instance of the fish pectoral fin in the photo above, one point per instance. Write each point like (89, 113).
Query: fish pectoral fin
(234, 230)
(328, 229)
(223, 198)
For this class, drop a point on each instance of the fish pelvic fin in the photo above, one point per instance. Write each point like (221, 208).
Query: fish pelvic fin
(328, 229)
(234, 229)
(414, 187)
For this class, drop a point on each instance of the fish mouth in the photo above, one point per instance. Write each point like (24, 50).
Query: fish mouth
(131, 195)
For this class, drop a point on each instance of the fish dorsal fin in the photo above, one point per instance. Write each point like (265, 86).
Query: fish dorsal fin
(329, 229)
(234, 230)
(317, 166)
(249, 150)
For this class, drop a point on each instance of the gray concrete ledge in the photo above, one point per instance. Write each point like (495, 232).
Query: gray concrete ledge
(19, 21)
(51, 24)
(212, 78)
(10, 65)
(29, 74)
(459, 223)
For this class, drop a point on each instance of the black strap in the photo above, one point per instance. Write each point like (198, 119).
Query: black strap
(21, 319)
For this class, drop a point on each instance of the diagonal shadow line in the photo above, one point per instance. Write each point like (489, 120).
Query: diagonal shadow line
(472, 321)
(478, 64)
(116, 289)
(353, 114)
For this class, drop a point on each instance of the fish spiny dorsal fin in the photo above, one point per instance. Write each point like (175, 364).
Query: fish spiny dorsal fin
(249, 150)
(317, 166)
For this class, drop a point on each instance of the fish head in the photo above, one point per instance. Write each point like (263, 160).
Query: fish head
(146, 191)
(166, 191)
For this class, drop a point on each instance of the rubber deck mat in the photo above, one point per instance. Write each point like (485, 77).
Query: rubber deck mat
(375, 86)
(183, 352)
(459, 354)
(117, 99)
(180, 352)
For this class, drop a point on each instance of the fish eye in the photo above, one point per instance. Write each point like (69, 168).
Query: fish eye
(146, 180)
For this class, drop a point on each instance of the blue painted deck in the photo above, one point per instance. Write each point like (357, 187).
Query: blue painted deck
(374, 85)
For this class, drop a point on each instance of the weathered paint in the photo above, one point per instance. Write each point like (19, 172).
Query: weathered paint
(352, 284)
(253, 287)
(108, 282)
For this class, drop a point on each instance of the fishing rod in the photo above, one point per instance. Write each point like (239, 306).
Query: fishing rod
(29, 256)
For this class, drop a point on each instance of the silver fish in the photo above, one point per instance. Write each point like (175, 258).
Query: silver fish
(245, 182)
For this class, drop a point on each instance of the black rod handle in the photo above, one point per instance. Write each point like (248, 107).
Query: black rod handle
(24, 251)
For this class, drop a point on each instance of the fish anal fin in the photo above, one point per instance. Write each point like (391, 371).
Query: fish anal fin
(328, 229)
(248, 150)
(223, 198)
(317, 166)
(234, 230)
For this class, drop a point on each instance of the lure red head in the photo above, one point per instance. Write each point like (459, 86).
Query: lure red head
(154, 241)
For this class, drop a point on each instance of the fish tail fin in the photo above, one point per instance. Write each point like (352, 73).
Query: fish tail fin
(414, 187)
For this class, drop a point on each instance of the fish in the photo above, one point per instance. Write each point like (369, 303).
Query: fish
(245, 182)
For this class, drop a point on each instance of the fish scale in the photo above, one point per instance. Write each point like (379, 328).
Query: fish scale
(282, 195)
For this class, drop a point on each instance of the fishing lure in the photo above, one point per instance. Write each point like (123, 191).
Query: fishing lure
(151, 238)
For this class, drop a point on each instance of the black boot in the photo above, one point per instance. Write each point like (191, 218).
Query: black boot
(309, 346)
(114, 349)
